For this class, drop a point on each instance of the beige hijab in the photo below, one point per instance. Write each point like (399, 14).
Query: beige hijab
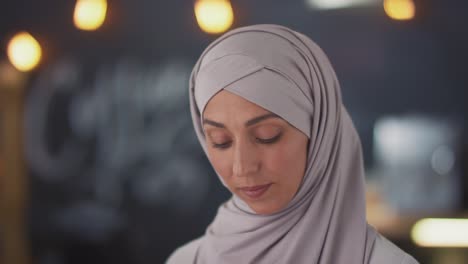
(286, 73)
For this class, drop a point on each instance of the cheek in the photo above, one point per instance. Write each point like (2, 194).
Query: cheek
(221, 163)
(275, 161)
(287, 161)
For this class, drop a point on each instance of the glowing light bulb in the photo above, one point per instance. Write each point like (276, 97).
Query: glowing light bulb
(400, 9)
(24, 52)
(214, 16)
(439, 232)
(90, 14)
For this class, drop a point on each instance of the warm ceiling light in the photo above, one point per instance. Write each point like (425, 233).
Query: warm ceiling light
(400, 9)
(90, 14)
(439, 232)
(214, 16)
(24, 52)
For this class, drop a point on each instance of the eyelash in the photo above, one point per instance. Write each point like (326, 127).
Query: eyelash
(261, 141)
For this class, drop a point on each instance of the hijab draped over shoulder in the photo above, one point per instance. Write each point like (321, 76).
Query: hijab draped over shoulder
(286, 73)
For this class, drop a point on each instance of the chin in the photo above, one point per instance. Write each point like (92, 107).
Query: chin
(264, 209)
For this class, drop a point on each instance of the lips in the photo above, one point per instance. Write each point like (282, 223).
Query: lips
(255, 192)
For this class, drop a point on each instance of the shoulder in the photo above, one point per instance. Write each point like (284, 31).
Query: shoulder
(385, 251)
(185, 253)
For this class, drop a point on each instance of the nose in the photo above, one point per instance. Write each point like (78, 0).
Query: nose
(246, 160)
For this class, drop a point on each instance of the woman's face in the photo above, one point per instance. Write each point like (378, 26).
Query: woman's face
(260, 156)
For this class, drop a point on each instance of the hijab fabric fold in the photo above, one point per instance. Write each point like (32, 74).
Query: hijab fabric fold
(286, 73)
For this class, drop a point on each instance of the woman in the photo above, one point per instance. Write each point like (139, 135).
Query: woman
(267, 110)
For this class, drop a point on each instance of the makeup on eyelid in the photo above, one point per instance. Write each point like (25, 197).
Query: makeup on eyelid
(262, 135)
(259, 140)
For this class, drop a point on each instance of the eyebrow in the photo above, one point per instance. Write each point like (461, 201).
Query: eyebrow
(250, 122)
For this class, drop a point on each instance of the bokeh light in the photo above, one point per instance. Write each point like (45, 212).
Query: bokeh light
(90, 14)
(439, 232)
(336, 4)
(214, 16)
(24, 52)
(400, 9)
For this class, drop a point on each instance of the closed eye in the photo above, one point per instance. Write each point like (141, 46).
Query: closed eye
(269, 140)
(259, 140)
(222, 145)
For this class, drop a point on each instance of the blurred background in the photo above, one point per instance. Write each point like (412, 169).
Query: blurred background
(99, 162)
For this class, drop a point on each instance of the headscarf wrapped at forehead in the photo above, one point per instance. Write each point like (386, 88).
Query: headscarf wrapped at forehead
(272, 73)
(286, 73)
(260, 84)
